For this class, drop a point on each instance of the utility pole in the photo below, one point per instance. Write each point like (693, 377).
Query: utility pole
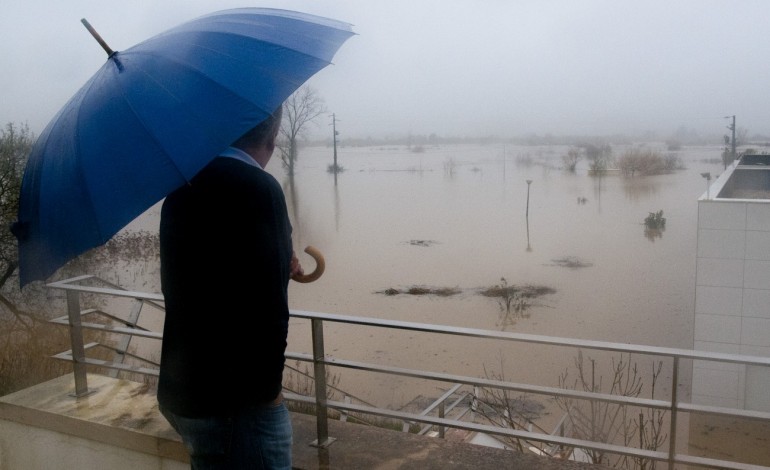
(732, 128)
(335, 168)
(335, 134)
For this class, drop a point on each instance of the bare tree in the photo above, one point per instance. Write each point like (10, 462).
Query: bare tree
(26, 340)
(505, 409)
(571, 159)
(613, 422)
(599, 155)
(299, 110)
(15, 144)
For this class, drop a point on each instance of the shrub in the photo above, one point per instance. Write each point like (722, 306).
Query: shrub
(655, 220)
(647, 162)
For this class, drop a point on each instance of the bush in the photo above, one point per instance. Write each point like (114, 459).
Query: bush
(655, 220)
(647, 162)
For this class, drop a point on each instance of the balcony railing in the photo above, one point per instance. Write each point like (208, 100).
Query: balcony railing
(126, 327)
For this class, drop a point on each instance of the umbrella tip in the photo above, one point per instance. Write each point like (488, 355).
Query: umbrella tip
(96, 36)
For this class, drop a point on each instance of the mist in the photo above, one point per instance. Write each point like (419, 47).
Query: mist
(454, 68)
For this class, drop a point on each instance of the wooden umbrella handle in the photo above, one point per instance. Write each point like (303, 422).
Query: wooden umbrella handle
(319, 267)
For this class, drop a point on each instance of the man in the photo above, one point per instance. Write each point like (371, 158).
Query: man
(226, 259)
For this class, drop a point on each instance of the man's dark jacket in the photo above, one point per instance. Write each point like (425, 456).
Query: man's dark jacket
(225, 248)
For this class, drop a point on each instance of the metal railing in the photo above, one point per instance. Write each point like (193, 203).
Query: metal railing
(673, 405)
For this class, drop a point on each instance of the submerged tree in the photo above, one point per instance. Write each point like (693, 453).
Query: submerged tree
(571, 159)
(299, 110)
(599, 156)
(655, 220)
(648, 162)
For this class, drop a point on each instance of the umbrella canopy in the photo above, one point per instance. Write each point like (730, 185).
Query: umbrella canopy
(152, 117)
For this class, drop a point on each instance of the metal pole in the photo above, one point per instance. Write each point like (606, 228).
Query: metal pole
(529, 182)
(674, 408)
(441, 429)
(76, 341)
(733, 129)
(335, 169)
(334, 129)
(319, 369)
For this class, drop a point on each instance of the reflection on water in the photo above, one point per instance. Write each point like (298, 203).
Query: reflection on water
(529, 243)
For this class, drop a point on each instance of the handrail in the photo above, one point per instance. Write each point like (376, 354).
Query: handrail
(536, 339)
(320, 361)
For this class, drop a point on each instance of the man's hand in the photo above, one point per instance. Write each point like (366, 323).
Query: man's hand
(294, 267)
(319, 268)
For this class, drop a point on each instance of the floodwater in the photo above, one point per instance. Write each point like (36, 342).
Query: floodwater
(465, 217)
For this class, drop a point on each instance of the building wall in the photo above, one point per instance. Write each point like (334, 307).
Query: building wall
(732, 301)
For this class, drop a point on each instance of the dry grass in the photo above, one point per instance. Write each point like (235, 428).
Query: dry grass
(25, 358)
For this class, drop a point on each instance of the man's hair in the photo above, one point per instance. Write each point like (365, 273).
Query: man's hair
(262, 133)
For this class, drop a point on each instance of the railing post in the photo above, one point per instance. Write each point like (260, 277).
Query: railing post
(76, 342)
(319, 369)
(441, 429)
(674, 409)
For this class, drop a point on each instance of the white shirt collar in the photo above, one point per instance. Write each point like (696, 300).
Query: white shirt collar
(238, 154)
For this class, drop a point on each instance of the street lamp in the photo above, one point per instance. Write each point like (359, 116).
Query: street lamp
(529, 182)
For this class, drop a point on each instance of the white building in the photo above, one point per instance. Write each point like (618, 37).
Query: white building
(732, 293)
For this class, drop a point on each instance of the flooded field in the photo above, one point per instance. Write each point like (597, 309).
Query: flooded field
(465, 218)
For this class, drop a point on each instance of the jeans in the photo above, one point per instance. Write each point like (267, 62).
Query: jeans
(257, 438)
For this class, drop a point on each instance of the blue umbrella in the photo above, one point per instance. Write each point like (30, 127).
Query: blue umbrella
(152, 117)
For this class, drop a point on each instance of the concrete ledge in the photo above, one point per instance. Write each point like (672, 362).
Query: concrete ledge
(118, 421)
(118, 426)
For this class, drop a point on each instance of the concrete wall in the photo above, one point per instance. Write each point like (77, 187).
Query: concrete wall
(25, 447)
(116, 427)
(732, 300)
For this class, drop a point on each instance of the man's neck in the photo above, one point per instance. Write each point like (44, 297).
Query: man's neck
(261, 154)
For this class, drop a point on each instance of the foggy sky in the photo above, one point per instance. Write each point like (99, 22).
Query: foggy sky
(452, 67)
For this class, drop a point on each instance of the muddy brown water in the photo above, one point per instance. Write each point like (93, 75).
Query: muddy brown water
(457, 217)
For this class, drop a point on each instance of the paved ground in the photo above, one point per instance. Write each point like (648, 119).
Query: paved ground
(359, 447)
(125, 415)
